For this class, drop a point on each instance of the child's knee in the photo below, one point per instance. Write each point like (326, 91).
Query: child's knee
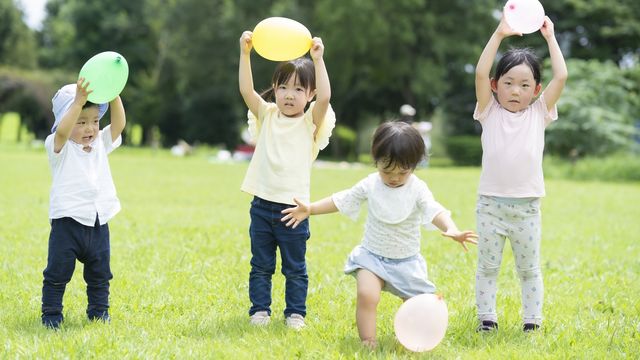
(488, 269)
(368, 296)
(529, 273)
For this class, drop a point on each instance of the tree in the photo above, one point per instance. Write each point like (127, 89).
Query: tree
(597, 29)
(599, 107)
(17, 41)
(27, 93)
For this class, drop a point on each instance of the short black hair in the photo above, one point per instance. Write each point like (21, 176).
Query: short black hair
(397, 143)
(515, 57)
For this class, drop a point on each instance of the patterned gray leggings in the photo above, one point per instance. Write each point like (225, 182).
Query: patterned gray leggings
(520, 221)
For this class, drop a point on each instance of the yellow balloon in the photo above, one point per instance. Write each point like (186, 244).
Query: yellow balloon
(281, 39)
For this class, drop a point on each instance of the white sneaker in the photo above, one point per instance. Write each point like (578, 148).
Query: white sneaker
(295, 321)
(260, 318)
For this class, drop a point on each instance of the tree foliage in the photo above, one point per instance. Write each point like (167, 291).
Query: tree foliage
(183, 57)
(599, 107)
(17, 42)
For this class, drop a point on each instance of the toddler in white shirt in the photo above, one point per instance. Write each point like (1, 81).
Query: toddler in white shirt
(83, 199)
(399, 203)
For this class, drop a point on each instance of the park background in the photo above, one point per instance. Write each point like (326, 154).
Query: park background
(180, 245)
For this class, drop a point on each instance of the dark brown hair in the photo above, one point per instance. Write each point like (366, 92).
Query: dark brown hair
(397, 143)
(301, 67)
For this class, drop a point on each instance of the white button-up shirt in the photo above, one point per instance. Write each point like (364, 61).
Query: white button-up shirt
(395, 215)
(82, 185)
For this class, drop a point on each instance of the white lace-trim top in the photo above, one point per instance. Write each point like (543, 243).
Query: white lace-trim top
(392, 228)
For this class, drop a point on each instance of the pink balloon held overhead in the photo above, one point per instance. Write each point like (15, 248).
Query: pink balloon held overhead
(421, 322)
(524, 16)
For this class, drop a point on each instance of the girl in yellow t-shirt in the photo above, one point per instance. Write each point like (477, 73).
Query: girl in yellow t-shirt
(288, 134)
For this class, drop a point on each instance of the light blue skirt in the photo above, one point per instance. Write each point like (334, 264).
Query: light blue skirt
(404, 278)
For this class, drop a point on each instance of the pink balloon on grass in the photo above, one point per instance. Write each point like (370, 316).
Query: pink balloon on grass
(421, 322)
(525, 16)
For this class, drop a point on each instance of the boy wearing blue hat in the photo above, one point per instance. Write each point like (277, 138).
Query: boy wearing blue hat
(82, 200)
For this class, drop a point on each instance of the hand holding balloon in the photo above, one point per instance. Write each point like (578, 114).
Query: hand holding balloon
(107, 72)
(82, 92)
(547, 28)
(246, 42)
(317, 48)
(505, 30)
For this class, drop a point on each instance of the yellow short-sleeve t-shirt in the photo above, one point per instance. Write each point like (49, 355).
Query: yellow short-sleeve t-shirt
(280, 168)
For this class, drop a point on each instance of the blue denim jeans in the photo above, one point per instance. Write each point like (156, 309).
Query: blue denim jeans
(68, 241)
(268, 233)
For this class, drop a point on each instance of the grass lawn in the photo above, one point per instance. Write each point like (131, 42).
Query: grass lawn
(180, 259)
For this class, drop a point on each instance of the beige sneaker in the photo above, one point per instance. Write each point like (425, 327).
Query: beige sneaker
(260, 318)
(295, 321)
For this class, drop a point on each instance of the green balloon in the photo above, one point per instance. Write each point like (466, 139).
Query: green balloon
(107, 74)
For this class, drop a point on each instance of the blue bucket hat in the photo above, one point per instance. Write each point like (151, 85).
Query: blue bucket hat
(62, 101)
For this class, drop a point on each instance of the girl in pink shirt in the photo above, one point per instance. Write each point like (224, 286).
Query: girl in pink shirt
(511, 182)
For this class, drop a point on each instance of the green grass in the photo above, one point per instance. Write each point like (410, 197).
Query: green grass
(180, 258)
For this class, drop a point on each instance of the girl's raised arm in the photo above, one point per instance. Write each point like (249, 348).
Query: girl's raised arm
(245, 78)
(483, 69)
(323, 86)
(556, 85)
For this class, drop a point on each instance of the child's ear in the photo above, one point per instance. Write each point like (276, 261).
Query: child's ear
(537, 89)
(494, 85)
(312, 95)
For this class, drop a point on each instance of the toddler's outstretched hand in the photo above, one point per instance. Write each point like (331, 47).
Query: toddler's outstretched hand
(296, 215)
(462, 237)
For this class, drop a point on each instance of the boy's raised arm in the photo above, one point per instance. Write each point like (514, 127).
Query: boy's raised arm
(65, 126)
(118, 118)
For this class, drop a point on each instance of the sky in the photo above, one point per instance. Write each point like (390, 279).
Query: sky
(34, 12)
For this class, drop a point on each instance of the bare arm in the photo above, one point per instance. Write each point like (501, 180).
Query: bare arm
(323, 86)
(483, 68)
(118, 117)
(449, 229)
(295, 215)
(245, 78)
(64, 128)
(553, 91)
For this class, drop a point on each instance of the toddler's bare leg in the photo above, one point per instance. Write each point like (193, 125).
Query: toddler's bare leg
(369, 288)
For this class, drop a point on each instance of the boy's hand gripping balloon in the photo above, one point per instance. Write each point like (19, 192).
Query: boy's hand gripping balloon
(421, 322)
(281, 39)
(107, 73)
(524, 16)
